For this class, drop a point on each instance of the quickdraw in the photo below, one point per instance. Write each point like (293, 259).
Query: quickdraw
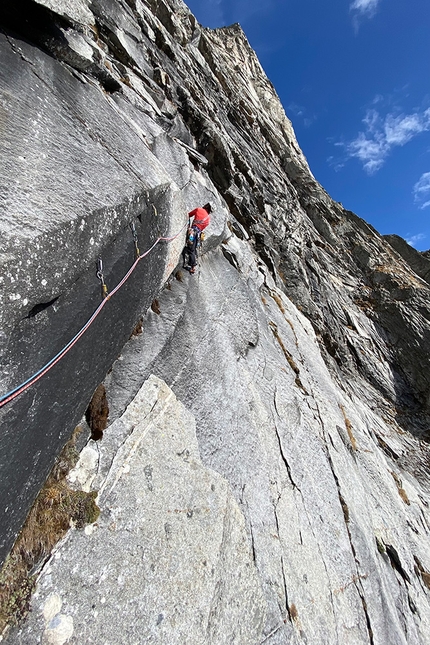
(10, 396)
(135, 239)
(100, 276)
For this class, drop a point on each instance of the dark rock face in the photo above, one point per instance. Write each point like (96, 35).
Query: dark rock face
(418, 262)
(76, 175)
(36, 424)
(302, 346)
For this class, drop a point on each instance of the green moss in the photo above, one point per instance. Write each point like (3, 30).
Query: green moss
(84, 508)
(380, 545)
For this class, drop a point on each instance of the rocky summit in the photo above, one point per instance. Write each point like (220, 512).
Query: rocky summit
(264, 476)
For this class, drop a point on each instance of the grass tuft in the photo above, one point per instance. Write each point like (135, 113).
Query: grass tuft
(348, 427)
(56, 507)
(155, 306)
(403, 494)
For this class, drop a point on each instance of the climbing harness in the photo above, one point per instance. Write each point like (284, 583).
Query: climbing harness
(10, 396)
(194, 240)
(191, 236)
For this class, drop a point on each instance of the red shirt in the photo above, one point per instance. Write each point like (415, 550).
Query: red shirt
(201, 218)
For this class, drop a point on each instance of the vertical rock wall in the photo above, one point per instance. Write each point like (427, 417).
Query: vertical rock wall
(84, 160)
(301, 346)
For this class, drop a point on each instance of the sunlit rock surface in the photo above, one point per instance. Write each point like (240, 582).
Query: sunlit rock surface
(301, 347)
(168, 561)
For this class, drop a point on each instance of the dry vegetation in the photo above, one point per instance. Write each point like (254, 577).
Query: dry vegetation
(138, 329)
(345, 508)
(56, 507)
(288, 356)
(421, 572)
(155, 306)
(97, 413)
(293, 612)
(348, 427)
(278, 301)
(403, 494)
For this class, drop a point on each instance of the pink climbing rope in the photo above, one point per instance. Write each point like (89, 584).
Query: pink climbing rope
(9, 396)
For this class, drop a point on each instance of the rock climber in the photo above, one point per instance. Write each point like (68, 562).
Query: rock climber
(200, 222)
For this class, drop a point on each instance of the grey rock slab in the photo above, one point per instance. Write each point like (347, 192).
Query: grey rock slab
(55, 403)
(167, 562)
(174, 158)
(301, 348)
(316, 492)
(76, 10)
(71, 158)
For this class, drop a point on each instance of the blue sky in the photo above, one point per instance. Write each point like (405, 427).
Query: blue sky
(354, 78)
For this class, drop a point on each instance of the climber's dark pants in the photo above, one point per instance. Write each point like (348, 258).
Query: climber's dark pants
(191, 251)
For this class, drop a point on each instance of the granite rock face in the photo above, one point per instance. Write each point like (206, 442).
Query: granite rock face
(418, 262)
(334, 493)
(168, 561)
(301, 346)
(81, 166)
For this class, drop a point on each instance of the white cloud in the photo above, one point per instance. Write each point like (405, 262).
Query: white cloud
(295, 109)
(382, 134)
(399, 130)
(362, 9)
(370, 151)
(414, 239)
(335, 164)
(365, 7)
(300, 111)
(422, 191)
(210, 13)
